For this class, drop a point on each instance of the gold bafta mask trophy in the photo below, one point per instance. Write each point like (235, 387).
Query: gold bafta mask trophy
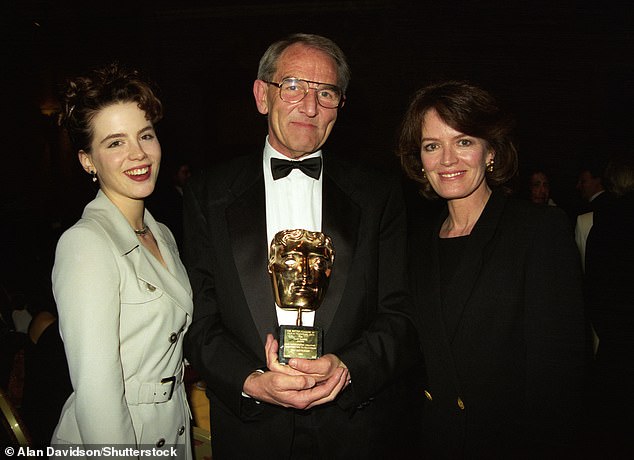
(300, 264)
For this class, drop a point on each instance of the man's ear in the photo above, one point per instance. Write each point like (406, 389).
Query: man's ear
(86, 162)
(260, 92)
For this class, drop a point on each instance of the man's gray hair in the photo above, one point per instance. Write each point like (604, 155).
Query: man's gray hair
(268, 62)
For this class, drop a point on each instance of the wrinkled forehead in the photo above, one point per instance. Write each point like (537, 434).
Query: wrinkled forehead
(303, 61)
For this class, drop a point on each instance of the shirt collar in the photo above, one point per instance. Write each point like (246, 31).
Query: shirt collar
(270, 152)
(595, 195)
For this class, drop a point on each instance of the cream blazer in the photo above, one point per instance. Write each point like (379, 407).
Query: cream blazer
(122, 318)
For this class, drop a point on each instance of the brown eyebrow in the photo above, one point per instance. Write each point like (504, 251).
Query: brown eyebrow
(453, 138)
(111, 136)
(115, 135)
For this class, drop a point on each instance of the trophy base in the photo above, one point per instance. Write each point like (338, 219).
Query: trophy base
(300, 342)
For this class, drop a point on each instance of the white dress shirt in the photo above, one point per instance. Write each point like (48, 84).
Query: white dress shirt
(292, 202)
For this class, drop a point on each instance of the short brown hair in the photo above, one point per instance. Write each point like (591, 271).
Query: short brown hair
(468, 109)
(84, 96)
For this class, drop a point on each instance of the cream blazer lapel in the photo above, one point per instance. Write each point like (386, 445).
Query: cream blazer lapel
(172, 281)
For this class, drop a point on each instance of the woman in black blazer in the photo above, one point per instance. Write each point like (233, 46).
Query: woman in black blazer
(497, 284)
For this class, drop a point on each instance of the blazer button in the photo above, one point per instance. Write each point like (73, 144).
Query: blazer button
(460, 404)
(428, 395)
(173, 337)
(181, 430)
(160, 442)
(150, 287)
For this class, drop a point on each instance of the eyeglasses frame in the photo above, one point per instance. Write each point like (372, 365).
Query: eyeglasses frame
(279, 86)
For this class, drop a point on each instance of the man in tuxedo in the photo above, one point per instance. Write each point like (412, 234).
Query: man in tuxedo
(591, 188)
(349, 402)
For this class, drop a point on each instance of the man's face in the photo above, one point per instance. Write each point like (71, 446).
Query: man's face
(300, 274)
(539, 188)
(588, 185)
(300, 128)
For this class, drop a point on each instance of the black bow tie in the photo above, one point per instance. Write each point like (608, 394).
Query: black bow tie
(282, 168)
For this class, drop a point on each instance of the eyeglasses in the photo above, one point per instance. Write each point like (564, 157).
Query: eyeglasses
(295, 89)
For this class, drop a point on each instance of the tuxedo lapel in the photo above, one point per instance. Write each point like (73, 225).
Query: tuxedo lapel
(340, 221)
(246, 224)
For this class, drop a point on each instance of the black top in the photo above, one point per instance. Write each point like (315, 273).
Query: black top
(450, 254)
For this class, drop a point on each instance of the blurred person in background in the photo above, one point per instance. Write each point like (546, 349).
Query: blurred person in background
(610, 303)
(539, 188)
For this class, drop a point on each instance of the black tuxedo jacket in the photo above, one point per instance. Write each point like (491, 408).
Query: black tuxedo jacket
(508, 380)
(610, 298)
(364, 314)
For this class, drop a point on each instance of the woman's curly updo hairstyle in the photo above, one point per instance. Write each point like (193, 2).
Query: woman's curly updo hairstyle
(84, 96)
(468, 109)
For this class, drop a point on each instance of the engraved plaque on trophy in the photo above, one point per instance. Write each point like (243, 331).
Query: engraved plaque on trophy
(300, 265)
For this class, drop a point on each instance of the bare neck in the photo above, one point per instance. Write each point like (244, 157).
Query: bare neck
(132, 210)
(464, 213)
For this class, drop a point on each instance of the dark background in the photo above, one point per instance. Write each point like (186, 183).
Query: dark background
(564, 69)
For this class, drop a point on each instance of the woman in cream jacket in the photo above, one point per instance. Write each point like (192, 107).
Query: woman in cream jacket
(122, 293)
